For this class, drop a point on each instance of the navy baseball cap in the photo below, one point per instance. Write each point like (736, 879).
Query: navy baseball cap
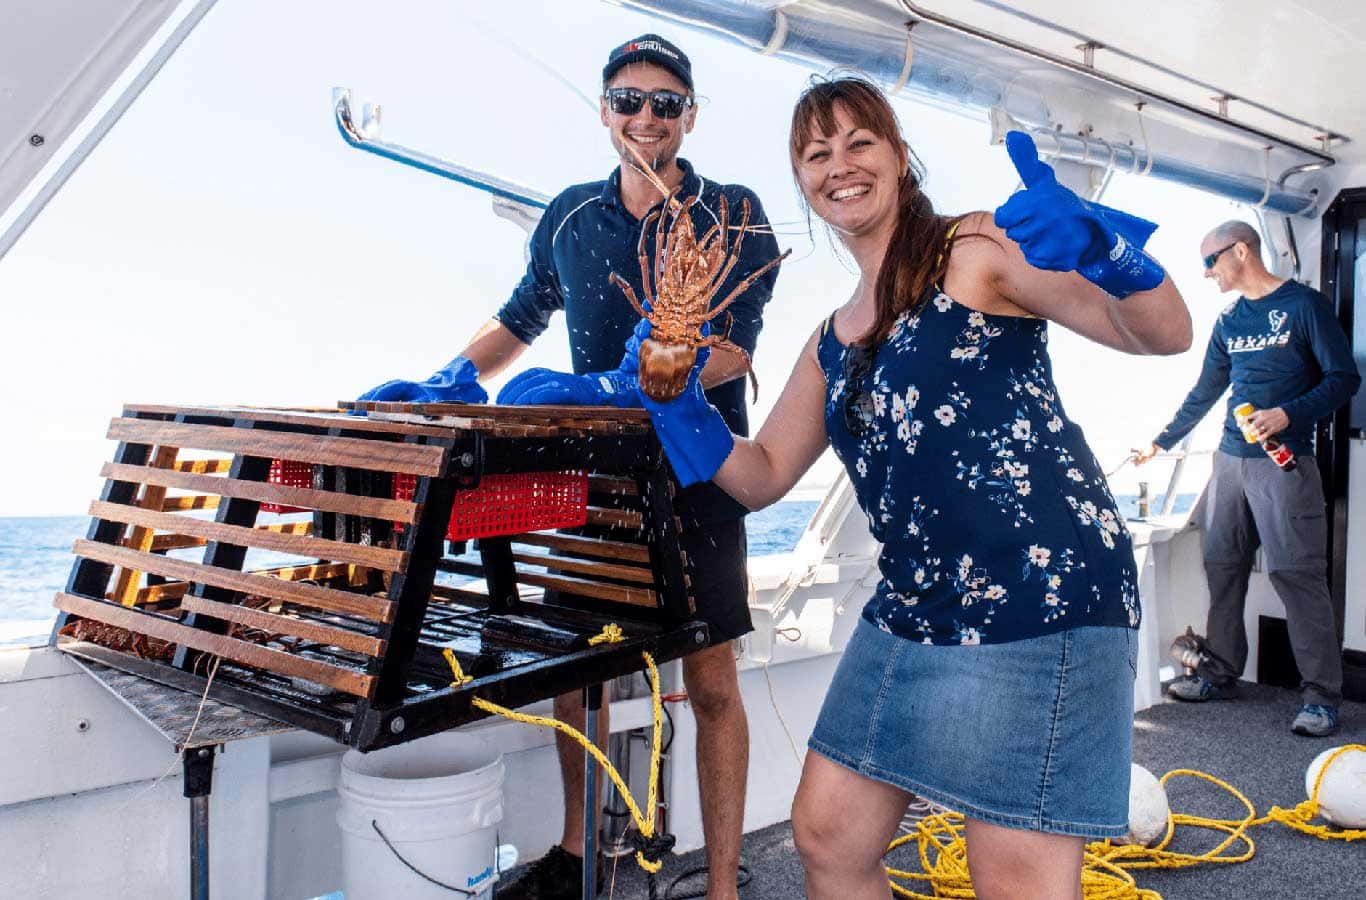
(649, 48)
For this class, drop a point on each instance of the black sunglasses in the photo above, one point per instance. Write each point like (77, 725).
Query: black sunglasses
(627, 101)
(1213, 258)
(858, 402)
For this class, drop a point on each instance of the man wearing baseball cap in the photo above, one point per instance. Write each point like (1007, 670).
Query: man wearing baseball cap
(588, 232)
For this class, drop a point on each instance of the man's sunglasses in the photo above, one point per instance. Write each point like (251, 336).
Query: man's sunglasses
(858, 402)
(1213, 258)
(629, 101)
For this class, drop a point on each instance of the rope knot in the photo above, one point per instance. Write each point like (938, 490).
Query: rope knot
(457, 672)
(611, 634)
(651, 850)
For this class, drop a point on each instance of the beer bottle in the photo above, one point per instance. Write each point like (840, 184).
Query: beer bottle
(1280, 454)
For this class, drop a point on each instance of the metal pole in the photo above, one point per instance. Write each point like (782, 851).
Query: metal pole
(198, 764)
(615, 843)
(1169, 500)
(592, 702)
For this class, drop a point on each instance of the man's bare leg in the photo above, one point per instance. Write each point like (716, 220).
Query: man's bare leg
(722, 761)
(569, 709)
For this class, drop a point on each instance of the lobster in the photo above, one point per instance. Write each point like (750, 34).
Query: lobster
(688, 272)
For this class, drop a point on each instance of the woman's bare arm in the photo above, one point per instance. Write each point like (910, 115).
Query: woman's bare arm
(760, 471)
(1154, 322)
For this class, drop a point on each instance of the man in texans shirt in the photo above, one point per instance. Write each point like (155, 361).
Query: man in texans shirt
(1281, 349)
(588, 232)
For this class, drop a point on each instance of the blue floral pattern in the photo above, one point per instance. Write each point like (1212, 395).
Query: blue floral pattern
(996, 521)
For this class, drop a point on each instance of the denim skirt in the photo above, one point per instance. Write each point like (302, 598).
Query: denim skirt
(1034, 734)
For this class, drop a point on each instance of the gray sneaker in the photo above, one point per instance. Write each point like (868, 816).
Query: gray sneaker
(1315, 720)
(1198, 689)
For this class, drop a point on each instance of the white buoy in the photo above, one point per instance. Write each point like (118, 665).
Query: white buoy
(1342, 796)
(1148, 808)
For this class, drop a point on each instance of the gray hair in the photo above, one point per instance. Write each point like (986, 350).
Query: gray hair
(1233, 231)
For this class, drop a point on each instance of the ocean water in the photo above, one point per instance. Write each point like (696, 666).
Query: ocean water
(35, 557)
(35, 561)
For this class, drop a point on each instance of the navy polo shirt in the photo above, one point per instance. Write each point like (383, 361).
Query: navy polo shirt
(585, 235)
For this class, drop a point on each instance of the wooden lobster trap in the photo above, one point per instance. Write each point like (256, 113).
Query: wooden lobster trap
(314, 566)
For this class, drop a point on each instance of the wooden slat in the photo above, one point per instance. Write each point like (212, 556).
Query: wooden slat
(616, 518)
(346, 680)
(190, 501)
(311, 572)
(277, 624)
(286, 527)
(524, 421)
(383, 456)
(310, 595)
(485, 414)
(337, 551)
(328, 501)
(613, 484)
(172, 590)
(587, 567)
(571, 543)
(568, 584)
(586, 588)
(201, 466)
(163, 542)
(459, 595)
(313, 418)
(126, 585)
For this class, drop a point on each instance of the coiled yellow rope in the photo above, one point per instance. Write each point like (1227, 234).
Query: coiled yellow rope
(610, 634)
(1106, 871)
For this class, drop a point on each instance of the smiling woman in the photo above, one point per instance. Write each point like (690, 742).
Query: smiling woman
(988, 587)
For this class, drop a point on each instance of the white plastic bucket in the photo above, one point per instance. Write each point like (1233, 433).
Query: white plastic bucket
(438, 801)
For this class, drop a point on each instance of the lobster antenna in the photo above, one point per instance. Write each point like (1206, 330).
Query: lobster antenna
(645, 169)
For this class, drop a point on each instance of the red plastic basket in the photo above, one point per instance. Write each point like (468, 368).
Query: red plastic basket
(290, 474)
(511, 504)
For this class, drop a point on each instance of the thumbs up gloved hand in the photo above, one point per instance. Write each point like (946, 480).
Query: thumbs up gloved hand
(694, 436)
(1058, 230)
(456, 382)
(619, 387)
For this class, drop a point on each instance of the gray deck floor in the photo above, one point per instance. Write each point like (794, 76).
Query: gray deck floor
(1246, 742)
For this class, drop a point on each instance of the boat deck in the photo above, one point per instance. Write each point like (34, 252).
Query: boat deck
(1246, 742)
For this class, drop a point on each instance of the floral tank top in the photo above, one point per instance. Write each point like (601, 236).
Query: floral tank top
(996, 520)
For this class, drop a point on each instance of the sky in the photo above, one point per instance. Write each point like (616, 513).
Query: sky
(224, 245)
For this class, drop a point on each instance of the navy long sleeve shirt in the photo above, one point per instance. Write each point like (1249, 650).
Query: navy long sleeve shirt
(1285, 349)
(585, 235)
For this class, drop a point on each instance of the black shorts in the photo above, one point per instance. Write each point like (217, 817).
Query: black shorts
(717, 570)
(720, 577)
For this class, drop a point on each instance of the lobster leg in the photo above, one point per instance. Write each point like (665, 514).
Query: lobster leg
(645, 280)
(626, 289)
(744, 285)
(721, 343)
(732, 257)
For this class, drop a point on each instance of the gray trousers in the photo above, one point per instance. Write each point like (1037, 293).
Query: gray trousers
(1251, 502)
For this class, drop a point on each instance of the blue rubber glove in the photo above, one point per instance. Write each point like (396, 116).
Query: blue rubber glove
(457, 382)
(619, 387)
(694, 436)
(1058, 230)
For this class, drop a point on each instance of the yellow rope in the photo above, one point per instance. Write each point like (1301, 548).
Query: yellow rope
(456, 671)
(1106, 871)
(1298, 818)
(611, 634)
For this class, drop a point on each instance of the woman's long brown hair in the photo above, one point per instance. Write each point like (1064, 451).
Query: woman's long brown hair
(917, 256)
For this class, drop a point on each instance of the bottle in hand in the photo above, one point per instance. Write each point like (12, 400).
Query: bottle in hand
(1280, 454)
